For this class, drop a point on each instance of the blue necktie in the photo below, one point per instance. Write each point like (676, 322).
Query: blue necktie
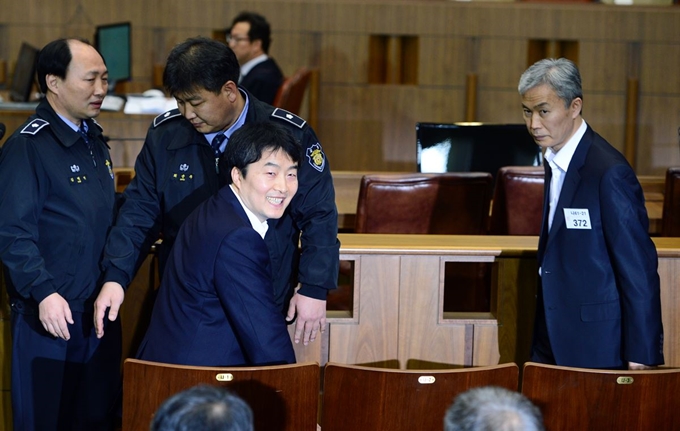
(83, 133)
(216, 143)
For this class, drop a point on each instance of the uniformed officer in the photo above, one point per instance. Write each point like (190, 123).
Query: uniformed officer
(178, 168)
(56, 206)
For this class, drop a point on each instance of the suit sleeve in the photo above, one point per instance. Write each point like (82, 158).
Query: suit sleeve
(136, 224)
(244, 286)
(634, 259)
(23, 191)
(316, 215)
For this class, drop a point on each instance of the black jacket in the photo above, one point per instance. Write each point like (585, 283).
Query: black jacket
(55, 211)
(263, 80)
(175, 171)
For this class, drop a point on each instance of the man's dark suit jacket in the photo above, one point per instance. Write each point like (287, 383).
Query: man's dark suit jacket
(263, 80)
(215, 305)
(600, 286)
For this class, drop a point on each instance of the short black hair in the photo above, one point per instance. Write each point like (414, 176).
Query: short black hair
(199, 63)
(54, 59)
(203, 407)
(248, 144)
(259, 28)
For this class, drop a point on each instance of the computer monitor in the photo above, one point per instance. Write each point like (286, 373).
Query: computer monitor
(474, 147)
(113, 43)
(23, 77)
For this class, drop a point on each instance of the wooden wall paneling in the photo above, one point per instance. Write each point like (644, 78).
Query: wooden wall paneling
(443, 62)
(374, 337)
(669, 271)
(606, 114)
(658, 123)
(659, 64)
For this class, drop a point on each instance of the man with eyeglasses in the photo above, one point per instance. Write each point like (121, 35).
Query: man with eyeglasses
(249, 37)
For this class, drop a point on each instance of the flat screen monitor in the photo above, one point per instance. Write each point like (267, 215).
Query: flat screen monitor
(23, 77)
(474, 147)
(113, 43)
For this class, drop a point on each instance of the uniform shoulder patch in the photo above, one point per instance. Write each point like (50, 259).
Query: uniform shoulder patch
(284, 115)
(173, 113)
(34, 126)
(316, 157)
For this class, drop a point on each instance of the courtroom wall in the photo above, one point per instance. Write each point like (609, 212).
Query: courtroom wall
(368, 126)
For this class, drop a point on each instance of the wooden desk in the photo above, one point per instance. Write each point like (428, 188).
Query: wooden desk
(347, 185)
(397, 302)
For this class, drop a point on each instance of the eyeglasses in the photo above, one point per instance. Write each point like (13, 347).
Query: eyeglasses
(236, 39)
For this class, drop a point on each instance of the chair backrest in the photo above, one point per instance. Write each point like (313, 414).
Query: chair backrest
(587, 399)
(367, 399)
(671, 204)
(282, 397)
(292, 91)
(446, 203)
(517, 207)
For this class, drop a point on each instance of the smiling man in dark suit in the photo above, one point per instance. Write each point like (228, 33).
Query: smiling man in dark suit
(215, 304)
(250, 36)
(598, 303)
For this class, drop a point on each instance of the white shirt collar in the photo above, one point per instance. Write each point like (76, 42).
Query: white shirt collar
(252, 63)
(563, 157)
(260, 227)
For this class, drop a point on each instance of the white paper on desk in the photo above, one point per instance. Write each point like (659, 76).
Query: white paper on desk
(149, 105)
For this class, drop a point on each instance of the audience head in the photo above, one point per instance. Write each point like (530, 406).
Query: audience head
(492, 408)
(561, 75)
(205, 408)
(249, 36)
(200, 64)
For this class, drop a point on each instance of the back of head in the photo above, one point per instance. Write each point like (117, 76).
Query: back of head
(259, 28)
(492, 408)
(199, 63)
(205, 408)
(54, 59)
(560, 74)
(248, 144)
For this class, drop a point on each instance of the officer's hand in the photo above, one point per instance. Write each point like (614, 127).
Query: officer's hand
(311, 317)
(55, 314)
(111, 296)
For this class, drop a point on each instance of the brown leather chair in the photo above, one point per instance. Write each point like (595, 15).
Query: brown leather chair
(360, 398)
(671, 204)
(292, 91)
(282, 397)
(448, 203)
(587, 399)
(517, 207)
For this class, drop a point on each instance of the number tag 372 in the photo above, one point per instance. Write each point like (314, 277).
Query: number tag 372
(577, 218)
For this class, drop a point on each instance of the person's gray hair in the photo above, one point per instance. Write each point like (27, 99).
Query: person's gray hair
(491, 408)
(560, 74)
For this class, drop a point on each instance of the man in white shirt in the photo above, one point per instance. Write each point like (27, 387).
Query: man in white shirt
(215, 304)
(598, 302)
(249, 37)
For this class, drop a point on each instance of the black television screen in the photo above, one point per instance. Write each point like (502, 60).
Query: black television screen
(113, 43)
(474, 147)
(23, 77)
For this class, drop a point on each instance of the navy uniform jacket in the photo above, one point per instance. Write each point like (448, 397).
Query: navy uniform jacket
(214, 306)
(263, 80)
(55, 211)
(600, 285)
(175, 171)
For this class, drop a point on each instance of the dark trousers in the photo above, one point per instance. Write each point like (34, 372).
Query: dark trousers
(541, 351)
(64, 385)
